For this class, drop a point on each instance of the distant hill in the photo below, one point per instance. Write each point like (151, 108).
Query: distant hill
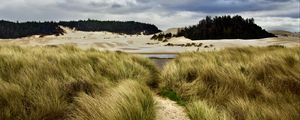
(16, 30)
(223, 27)
(285, 33)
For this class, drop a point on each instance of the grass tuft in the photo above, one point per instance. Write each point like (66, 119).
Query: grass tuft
(128, 101)
(50, 83)
(237, 83)
(172, 96)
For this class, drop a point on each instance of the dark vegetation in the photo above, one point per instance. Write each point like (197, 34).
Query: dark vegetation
(225, 27)
(172, 96)
(187, 45)
(221, 27)
(162, 37)
(129, 27)
(17, 30)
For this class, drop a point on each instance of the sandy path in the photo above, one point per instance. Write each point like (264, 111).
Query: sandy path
(169, 110)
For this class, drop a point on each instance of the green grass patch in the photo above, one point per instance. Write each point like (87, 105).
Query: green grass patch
(172, 96)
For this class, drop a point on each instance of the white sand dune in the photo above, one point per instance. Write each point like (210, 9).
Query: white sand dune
(142, 43)
(172, 30)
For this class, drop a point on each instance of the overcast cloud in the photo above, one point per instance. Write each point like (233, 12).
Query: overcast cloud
(270, 14)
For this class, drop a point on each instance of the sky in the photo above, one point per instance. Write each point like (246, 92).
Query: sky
(270, 14)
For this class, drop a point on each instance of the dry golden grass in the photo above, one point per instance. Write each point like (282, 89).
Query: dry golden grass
(237, 83)
(56, 82)
(129, 101)
(64, 82)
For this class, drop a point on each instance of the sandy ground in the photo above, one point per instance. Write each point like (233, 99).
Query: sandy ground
(169, 110)
(142, 43)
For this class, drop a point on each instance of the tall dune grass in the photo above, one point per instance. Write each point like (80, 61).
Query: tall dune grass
(56, 82)
(237, 83)
(129, 101)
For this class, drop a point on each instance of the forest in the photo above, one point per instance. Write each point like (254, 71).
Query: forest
(17, 30)
(10, 30)
(129, 27)
(220, 27)
(225, 27)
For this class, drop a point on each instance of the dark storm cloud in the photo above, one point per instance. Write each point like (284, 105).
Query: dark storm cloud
(102, 6)
(280, 0)
(224, 6)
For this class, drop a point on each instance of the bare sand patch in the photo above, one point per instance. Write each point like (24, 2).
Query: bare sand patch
(110, 45)
(129, 49)
(169, 110)
(130, 42)
(120, 44)
(100, 45)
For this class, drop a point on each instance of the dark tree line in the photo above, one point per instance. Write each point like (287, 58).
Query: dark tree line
(17, 30)
(224, 27)
(129, 27)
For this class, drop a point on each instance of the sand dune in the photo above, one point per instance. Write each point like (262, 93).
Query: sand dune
(142, 43)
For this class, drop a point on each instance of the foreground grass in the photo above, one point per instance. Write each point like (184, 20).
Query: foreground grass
(69, 83)
(129, 101)
(238, 83)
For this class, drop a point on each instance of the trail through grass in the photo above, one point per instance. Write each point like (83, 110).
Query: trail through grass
(169, 110)
(67, 83)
